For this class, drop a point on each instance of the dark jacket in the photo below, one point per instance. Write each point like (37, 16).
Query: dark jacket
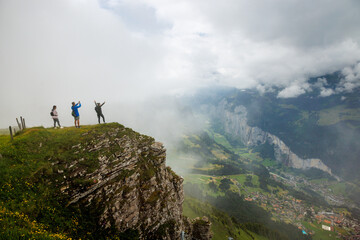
(98, 108)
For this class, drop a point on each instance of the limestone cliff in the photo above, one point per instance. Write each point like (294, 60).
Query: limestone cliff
(97, 182)
(235, 122)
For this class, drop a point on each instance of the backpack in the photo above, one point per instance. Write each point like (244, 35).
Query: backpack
(73, 113)
(52, 113)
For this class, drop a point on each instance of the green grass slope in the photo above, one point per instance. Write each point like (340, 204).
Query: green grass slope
(222, 225)
(31, 203)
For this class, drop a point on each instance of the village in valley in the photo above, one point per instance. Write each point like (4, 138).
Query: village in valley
(309, 218)
(318, 204)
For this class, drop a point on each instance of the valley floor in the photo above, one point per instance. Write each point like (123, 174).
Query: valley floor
(221, 176)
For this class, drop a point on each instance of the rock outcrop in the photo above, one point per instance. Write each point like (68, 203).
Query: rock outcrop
(128, 184)
(235, 122)
(201, 229)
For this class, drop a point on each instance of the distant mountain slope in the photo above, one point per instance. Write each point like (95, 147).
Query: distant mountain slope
(327, 128)
(215, 163)
(258, 192)
(234, 122)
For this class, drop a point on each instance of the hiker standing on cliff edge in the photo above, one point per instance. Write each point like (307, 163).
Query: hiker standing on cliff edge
(98, 110)
(75, 113)
(55, 117)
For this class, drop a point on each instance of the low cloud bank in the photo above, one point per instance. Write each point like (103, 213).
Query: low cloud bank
(122, 51)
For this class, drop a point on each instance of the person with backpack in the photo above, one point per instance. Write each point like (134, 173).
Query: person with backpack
(98, 110)
(75, 113)
(55, 117)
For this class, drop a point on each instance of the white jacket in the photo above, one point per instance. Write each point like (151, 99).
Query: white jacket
(55, 114)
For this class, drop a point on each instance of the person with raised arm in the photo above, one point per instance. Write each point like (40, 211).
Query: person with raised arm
(75, 113)
(98, 110)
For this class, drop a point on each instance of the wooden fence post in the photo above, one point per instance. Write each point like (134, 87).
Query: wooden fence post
(24, 123)
(21, 123)
(11, 134)
(17, 120)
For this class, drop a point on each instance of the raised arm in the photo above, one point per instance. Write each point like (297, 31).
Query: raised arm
(102, 104)
(95, 102)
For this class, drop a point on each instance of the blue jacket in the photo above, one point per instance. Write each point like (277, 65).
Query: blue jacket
(75, 109)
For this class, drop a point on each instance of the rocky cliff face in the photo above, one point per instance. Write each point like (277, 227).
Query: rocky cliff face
(235, 122)
(128, 184)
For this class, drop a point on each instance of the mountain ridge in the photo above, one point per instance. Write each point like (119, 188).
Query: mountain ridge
(97, 182)
(313, 127)
(235, 122)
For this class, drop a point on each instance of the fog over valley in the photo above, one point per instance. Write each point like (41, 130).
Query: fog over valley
(228, 119)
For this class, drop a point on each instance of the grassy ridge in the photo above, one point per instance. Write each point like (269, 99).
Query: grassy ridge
(31, 203)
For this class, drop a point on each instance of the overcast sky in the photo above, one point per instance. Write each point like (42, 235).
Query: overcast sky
(127, 51)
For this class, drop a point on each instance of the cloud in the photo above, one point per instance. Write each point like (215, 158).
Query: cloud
(138, 16)
(263, 43)
(301, 23)
(56, 52)
(351, 79)
(291, 92)
(326, 92)
(321, 82)
(121, 51)
(321, 85)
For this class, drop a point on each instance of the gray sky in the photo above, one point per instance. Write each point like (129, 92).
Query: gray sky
(125, 52)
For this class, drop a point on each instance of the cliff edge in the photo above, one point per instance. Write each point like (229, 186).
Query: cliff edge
(97, 182)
